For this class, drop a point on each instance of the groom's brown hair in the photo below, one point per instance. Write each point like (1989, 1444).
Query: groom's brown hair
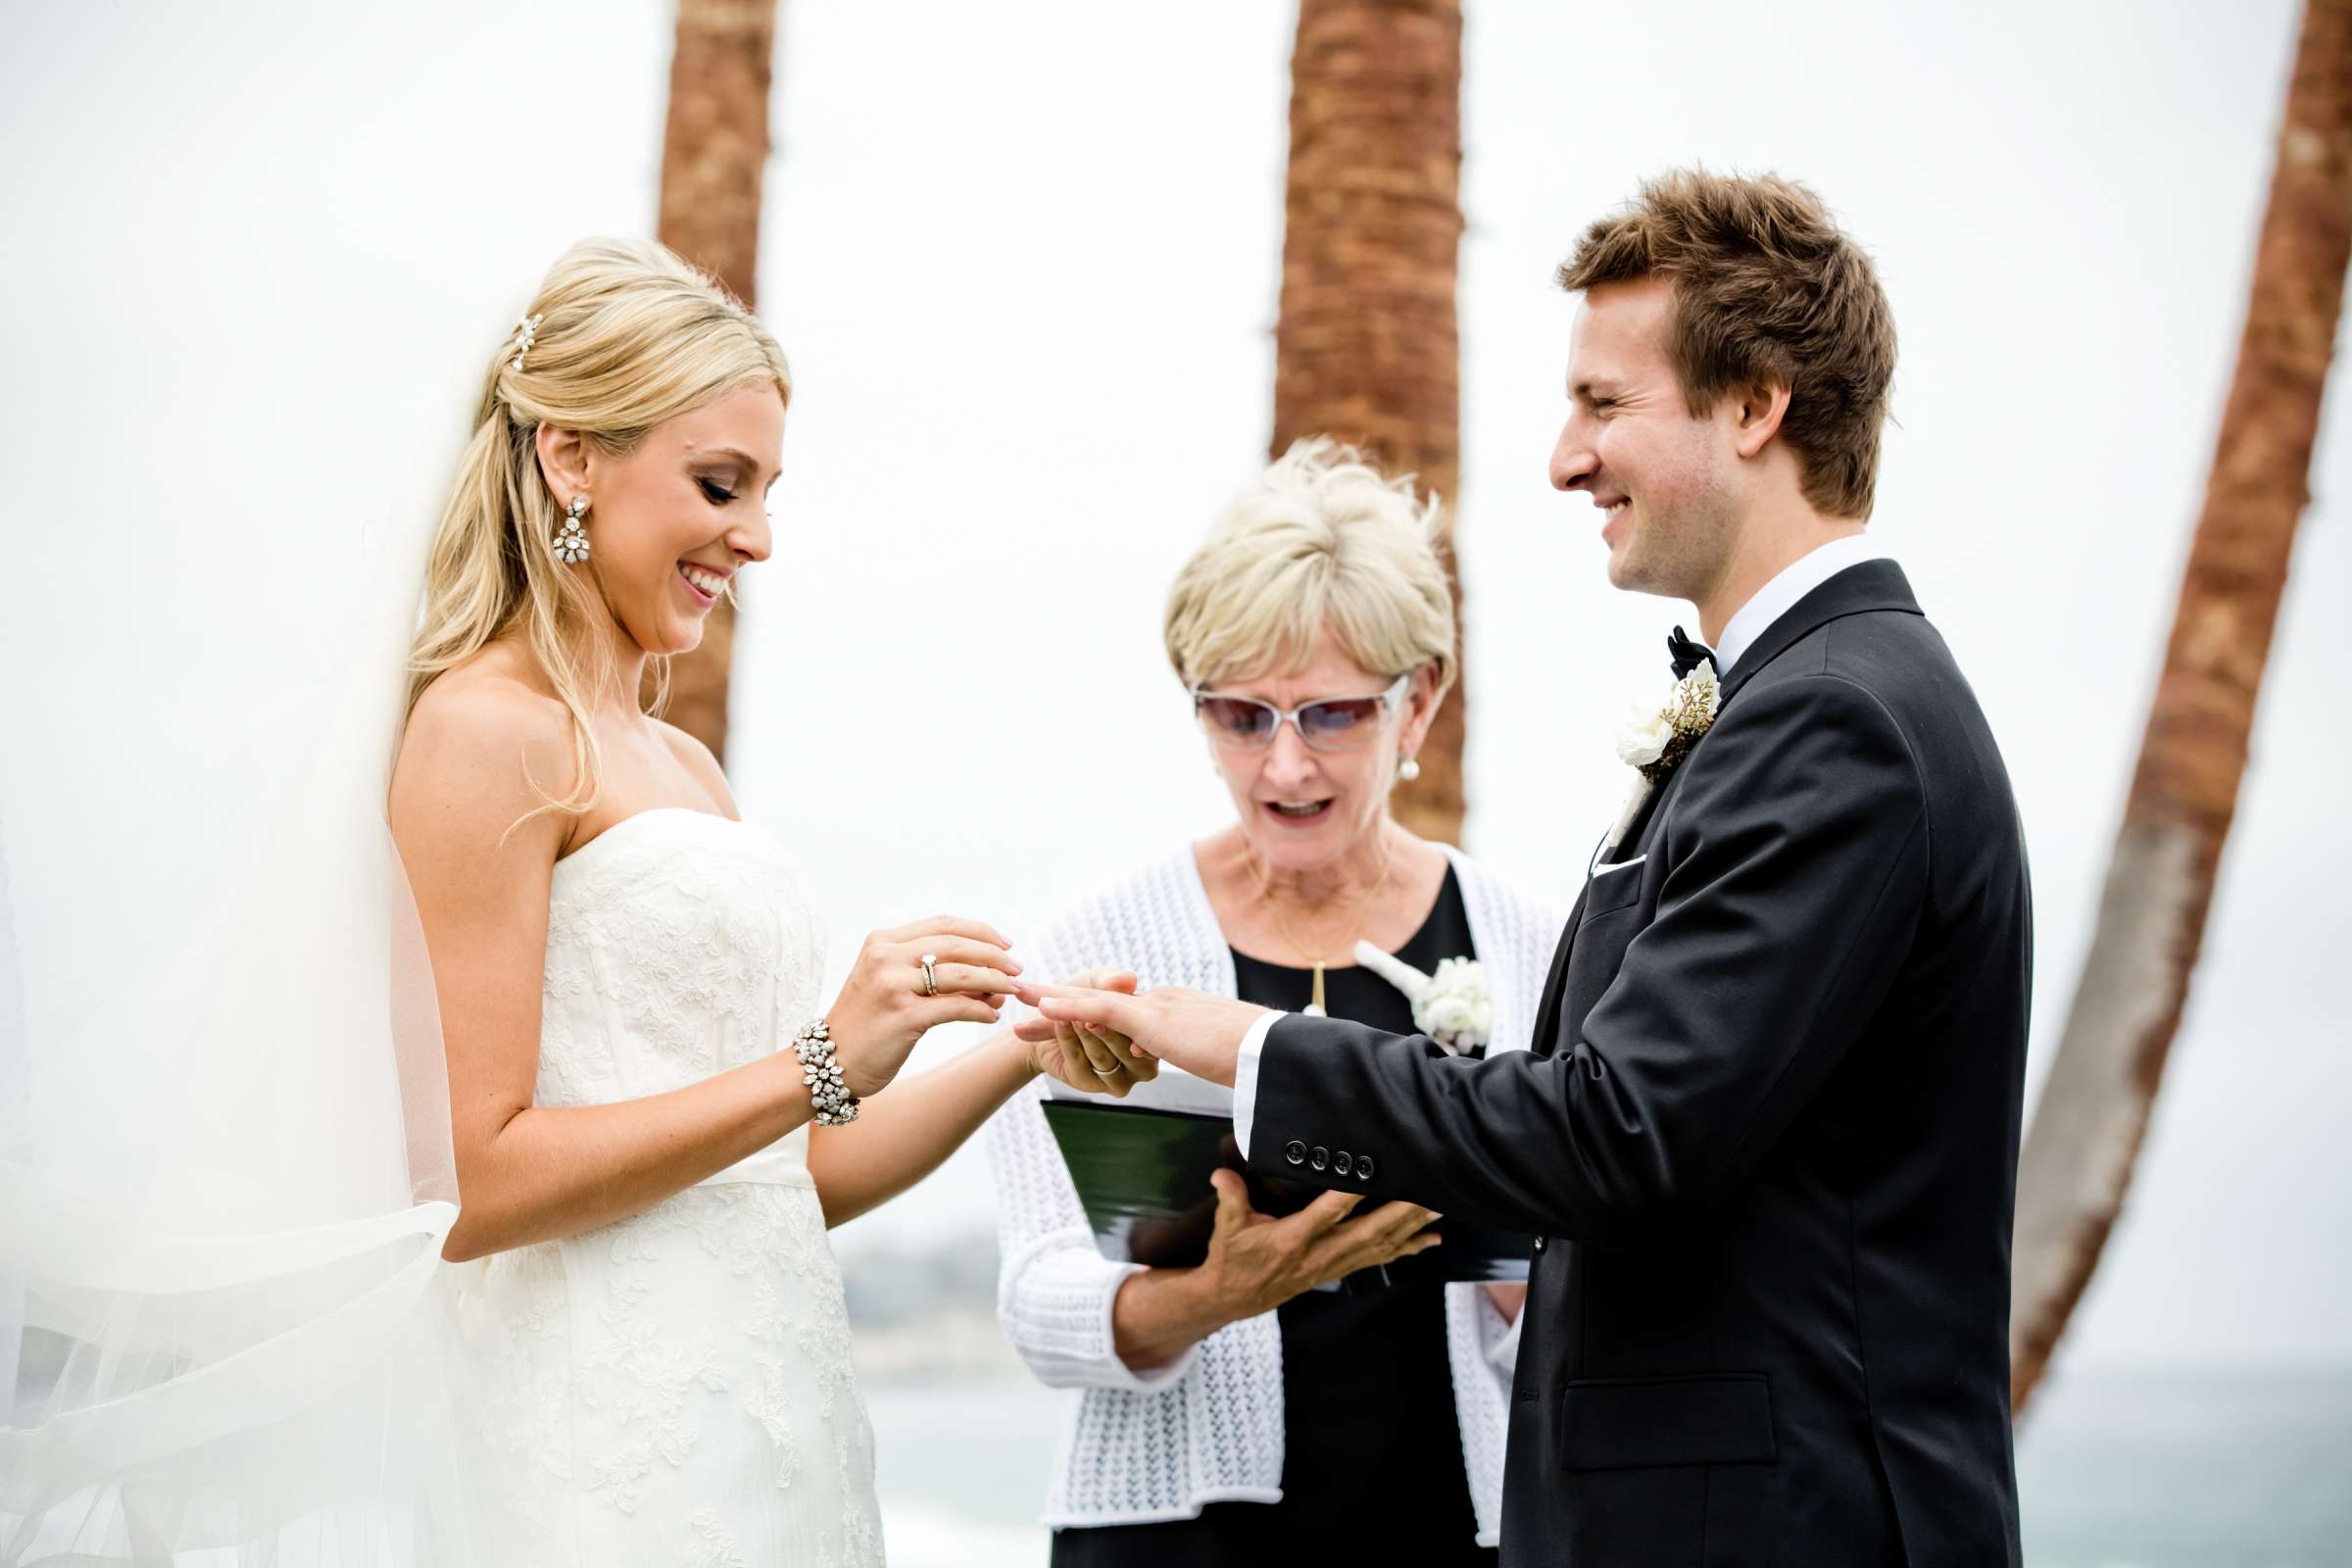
(1766, 289)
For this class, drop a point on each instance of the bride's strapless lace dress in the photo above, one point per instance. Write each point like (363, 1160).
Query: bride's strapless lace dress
(676, 1387)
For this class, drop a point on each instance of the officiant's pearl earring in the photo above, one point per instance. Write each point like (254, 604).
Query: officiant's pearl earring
(571, 539)
(1409, 771)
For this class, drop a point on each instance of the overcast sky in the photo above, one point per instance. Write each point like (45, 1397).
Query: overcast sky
(1024, 260)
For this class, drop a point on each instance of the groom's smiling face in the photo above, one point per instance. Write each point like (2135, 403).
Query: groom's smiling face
(1664, 480)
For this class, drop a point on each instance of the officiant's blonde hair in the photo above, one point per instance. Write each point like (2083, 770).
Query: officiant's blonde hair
(621, 336)
(1322, 541)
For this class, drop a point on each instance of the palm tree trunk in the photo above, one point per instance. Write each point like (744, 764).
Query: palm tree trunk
(2094, 1105)
(714, 160)
(1365, 347)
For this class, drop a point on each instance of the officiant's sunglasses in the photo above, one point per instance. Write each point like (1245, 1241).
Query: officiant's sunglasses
(1334, 725)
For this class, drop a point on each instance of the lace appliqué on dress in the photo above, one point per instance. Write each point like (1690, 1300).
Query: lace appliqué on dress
(677, 1387)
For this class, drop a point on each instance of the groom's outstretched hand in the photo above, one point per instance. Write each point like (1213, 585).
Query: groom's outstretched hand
(1199, 1033)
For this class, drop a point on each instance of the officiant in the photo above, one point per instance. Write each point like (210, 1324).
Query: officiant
(1231, 1411)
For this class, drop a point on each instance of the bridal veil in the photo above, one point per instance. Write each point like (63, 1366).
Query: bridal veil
(243, 341)
(224, 1158)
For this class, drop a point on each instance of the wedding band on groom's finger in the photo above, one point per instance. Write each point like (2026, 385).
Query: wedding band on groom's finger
(1097, 1051)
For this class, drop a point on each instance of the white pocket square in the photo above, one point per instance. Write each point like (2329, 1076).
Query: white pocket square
(1618, 865)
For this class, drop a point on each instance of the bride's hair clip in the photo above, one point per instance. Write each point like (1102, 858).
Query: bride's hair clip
(525, 330)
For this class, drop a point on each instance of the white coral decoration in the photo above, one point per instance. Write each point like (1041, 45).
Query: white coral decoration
(1453, 1006)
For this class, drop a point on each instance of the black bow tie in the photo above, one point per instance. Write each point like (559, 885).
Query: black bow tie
(1687, 654)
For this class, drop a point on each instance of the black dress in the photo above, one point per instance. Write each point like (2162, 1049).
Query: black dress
(1372, 1448)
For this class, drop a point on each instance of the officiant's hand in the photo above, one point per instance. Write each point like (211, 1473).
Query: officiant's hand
(1199, 1033)
(1095, 1061)
(1256, 1262)
(882, 1011)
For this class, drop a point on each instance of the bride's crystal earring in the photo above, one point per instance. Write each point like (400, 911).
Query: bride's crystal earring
(571, 539)
(1409, 771)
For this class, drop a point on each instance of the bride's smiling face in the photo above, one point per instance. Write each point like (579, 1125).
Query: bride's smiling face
(672, 519)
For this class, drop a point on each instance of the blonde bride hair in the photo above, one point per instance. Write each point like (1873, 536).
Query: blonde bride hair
(623, 335)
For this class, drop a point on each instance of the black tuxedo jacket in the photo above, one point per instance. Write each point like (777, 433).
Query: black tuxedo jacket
(1767, 1133)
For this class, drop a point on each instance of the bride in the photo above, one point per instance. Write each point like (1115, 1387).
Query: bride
(652, 1120)
(275, 1329)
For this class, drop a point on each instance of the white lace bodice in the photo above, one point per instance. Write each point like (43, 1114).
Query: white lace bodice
(679, 945)
(676, 1387)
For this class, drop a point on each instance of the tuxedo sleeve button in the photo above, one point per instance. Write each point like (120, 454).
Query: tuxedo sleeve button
(1294, 1152)
(1319, 1159)
(1363, 1167)
(1343, 1163)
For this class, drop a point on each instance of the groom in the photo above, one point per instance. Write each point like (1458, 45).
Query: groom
(1767, 1135)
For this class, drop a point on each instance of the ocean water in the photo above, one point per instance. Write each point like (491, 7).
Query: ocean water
(2181, 1469)
(2173, 1469)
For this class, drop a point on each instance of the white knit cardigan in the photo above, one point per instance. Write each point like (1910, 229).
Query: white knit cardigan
(1208, 1425)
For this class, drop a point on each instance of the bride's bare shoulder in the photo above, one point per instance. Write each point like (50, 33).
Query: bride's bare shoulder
(497, 696)
(490, 730)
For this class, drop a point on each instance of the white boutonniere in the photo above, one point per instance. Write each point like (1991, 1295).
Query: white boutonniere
(1451, 1006)
(1655, 741)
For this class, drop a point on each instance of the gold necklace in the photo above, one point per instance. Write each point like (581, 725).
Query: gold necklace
(1265, 893)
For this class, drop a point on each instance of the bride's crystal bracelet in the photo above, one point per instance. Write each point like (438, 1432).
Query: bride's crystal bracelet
(834, 1105)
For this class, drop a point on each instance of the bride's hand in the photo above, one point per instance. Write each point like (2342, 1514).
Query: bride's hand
(882, 1012)
(1092, 1060)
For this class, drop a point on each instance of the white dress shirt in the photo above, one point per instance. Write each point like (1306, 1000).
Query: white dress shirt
(1780, 596)
(1245, 1078)
(1768, 605)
